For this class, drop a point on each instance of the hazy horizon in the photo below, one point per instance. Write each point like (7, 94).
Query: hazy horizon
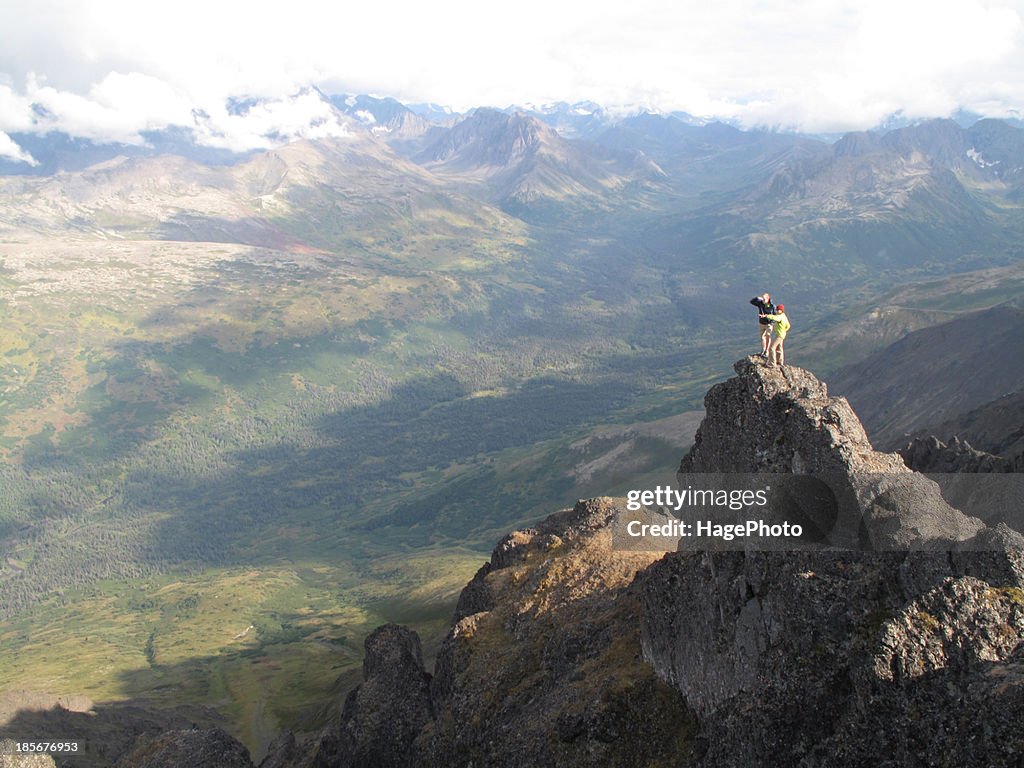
(112, 70)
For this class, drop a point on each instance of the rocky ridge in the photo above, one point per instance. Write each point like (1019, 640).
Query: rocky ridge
(542, 666)
(930, 454)
(382, 717)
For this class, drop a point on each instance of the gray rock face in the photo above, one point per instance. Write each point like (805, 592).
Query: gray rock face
(987, 486)
(800, 658)
(772, 420)
(199, 748)
(780, 420)
(839, 657)
(383, 715)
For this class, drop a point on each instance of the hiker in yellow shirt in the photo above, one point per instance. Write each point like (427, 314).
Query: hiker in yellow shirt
(781, 326)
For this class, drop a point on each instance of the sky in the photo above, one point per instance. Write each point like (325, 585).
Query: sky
(109, 70)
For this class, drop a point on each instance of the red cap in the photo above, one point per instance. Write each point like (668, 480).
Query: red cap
(780, 307)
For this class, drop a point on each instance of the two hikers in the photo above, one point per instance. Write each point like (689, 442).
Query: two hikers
(771, 318)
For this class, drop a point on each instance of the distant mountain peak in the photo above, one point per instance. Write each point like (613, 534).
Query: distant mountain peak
(385, 117)
(492, 138)
(526, 160)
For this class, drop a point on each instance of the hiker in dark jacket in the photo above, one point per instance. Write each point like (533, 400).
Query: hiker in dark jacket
(764, 326)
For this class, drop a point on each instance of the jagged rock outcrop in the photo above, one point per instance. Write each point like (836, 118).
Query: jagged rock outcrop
(384, 714)
(549, 672)
(782, 420)
(929, 454)
(991, 487)
(789, 658)
(192, 747)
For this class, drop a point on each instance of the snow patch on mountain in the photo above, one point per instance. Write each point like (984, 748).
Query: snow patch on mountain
(975, 155)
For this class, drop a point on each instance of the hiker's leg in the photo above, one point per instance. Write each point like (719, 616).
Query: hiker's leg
(782, 352)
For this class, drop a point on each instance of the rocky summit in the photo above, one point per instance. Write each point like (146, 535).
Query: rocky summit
(565, 650)
(782, 420)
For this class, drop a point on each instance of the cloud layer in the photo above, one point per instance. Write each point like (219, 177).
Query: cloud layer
(112, 69)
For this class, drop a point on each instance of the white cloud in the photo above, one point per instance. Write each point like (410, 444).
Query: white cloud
(117, 67)
(269, 123)
(11, 151)
(118, 108)
(15, 110)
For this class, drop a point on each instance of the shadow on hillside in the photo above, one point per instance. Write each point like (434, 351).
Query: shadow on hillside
(108, 730)
(335, 476)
